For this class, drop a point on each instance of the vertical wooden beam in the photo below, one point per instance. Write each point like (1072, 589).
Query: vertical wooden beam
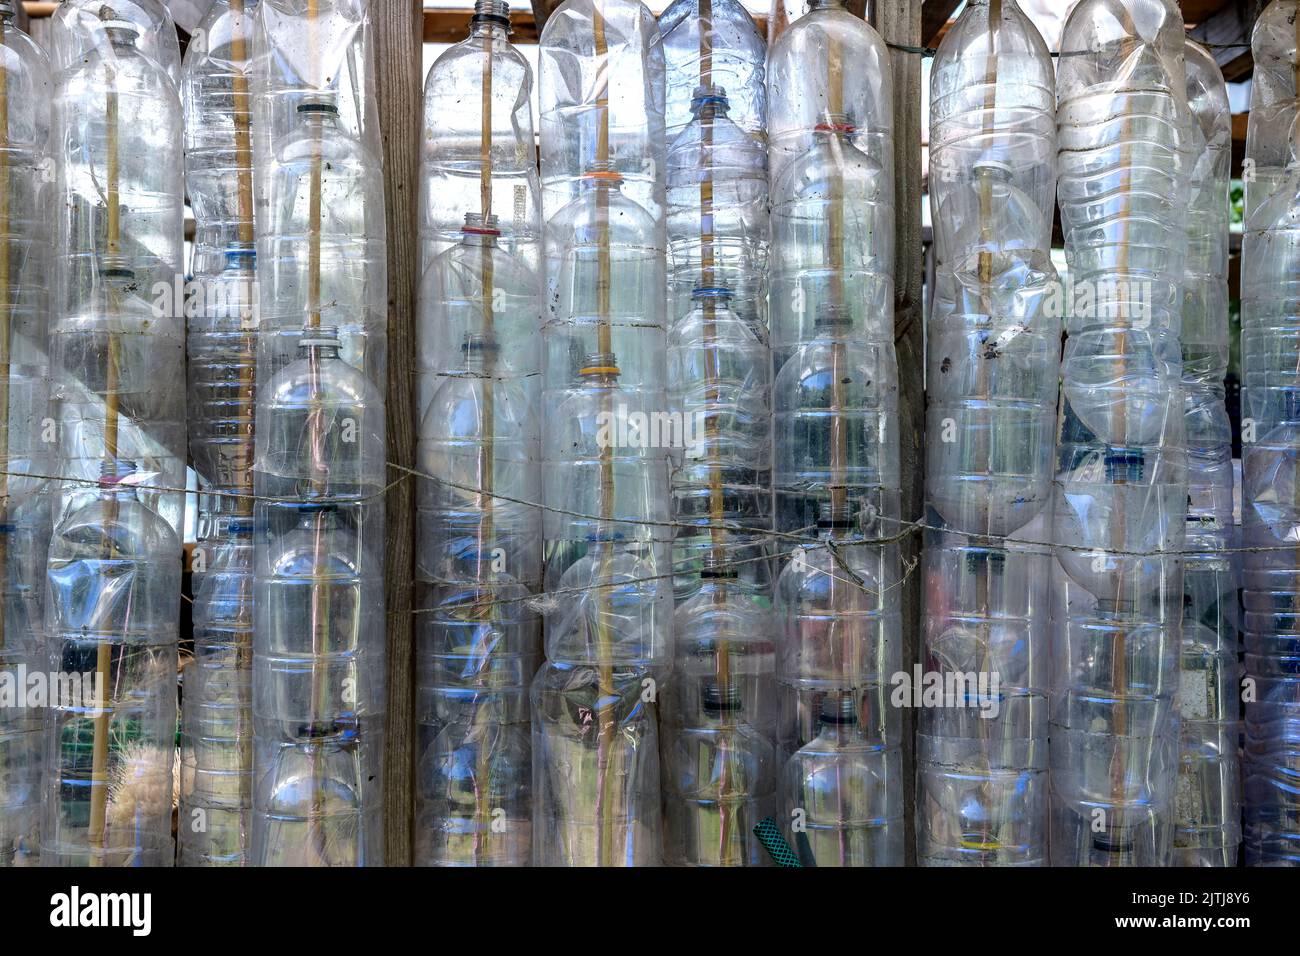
(397, 28)
(899, 21)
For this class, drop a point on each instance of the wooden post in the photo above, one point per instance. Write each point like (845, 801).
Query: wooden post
(899, 21)
(398, 25)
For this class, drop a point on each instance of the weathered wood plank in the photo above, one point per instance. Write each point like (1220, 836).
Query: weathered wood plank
(935, 15)
(398, 26)
(899, 21)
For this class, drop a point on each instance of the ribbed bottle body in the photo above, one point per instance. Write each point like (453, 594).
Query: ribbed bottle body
(713, 41)
(318, 690)
(477, 116)
(216, 740)
(1120, 513)
(114, 580)
(216, 97)
(992, 380)
(719, 754)
(606, 437)
(835, 438)
(1208, 829)
(1270, 350)
(478, 556)
(601, 89)
(78, 30)
(25, 262)
(1274, 99)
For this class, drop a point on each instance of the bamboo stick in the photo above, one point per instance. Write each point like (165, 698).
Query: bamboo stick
(607, 715)
(244, 164)
(488, 610)
(104, 652)
(321, 618)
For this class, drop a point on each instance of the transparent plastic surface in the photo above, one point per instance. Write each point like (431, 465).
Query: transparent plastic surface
(719, 385)
(325, 192)
(114, 584)
(717, 209)
(221, 342)
(595, 767)
(846, 788)
(318, 659)
(1270, 346)
(25, 261)
(1125, 166)
(1208, 800)
(78, 30)
(478, 116)
(713, 43)
(828, 62)
(117, 117)
(720, 766)
(118, 365)
(479, 550)
(216, 96)
(1274, 94)
(992, 382)
(216, 740)
(601, 85)
(606, 438)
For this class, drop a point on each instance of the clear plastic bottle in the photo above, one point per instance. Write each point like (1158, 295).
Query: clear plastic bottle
(78, 29)
(111, 738)
(1274, 99)
(221, 342)
(720, 754)
(478, 556)
(832, 239)
(713, 43)
(478, 287)
(993, 355)
(1208, 831)
(118, 369)
(216, 96)
(325, 192)
(318, 655)
(1271, 449)
(843, 790)
(216, 742)
(829, 66)
(601, 88)
(117, 116)
(25, 500)
(719, 387)
(1124, 135)
(717, 210)
(478, 118)
(596, 785)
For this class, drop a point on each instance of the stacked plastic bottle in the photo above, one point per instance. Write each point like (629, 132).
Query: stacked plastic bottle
(1208, 798)
(1270, 331)
(595, 701)
(719, 742)
(485, 63)
(319, 465)
(216, 721)
(993, 364)
(835, 401)
(24, 395)
(75, 32)
(478, 554)
(114, 563)
(1120, 512)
